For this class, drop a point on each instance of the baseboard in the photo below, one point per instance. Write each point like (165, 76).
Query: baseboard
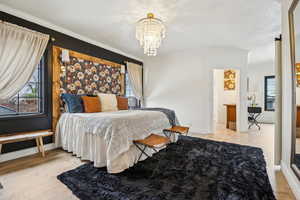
(291, 179)
(266, 122)
(25, 152)
(191, 133)
(277, 167)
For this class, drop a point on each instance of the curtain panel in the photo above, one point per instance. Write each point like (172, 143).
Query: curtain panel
(135, 74)
(21, 50)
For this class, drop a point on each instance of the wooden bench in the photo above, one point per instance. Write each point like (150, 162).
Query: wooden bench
(153, 141)
(19, 137)
(183, 130)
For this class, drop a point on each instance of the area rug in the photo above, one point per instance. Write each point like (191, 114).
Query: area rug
(191, 169)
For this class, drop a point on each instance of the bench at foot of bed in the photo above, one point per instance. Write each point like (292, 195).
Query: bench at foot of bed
(153, 141)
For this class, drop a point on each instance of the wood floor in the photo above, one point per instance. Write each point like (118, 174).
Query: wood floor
(34, 177)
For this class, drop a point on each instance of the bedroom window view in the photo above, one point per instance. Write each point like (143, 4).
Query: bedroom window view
(132, 100)
(128, 91)
(28, 100)
(270, 92)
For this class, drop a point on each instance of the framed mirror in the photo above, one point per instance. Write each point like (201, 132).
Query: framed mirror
(294, 23)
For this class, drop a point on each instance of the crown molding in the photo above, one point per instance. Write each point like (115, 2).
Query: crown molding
(47, 24)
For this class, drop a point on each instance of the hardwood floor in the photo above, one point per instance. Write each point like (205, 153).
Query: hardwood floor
(34, 177)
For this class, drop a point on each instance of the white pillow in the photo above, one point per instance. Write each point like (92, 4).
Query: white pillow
(108, 102)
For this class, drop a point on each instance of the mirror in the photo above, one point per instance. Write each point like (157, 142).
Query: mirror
(294, 18)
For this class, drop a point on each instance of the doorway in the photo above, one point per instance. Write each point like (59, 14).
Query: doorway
(226, 99)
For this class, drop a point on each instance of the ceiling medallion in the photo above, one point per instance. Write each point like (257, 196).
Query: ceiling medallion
(150, 31)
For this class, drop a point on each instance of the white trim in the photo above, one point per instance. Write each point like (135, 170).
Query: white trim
(278, 105)
(199, 133)
(49, 25)
(291, 179)
(25, 152)
(277, 167)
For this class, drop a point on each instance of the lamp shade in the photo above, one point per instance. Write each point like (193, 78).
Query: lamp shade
(122, 69)
(65, 57)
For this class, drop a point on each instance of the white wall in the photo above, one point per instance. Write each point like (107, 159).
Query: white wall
(222, 97)
(286, 102)
(183, 81)
(256, 74)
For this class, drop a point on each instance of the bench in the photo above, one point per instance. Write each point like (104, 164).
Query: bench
(176, 129)
(19, 137)
(153, 141)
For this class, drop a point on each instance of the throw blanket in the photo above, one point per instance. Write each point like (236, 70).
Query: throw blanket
(118, 130)
(169, 113)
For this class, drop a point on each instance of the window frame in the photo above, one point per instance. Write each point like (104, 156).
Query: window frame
(41, 93)
(34, 121)
(265, 93)
(127, 83)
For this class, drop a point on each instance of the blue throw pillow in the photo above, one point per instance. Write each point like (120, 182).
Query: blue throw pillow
(73, 102)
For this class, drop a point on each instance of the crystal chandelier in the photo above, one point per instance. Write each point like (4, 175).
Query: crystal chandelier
(150, 31)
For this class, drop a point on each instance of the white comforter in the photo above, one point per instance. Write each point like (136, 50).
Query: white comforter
(106, 138)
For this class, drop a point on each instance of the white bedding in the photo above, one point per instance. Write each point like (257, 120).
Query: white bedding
(106, 138)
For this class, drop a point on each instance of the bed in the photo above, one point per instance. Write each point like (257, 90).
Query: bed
(106, 138)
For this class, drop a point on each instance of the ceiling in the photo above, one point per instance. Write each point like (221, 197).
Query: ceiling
(190, 24)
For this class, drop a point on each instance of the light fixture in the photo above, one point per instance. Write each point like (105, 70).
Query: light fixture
(65, 56)
(123, 71)
(150, 31)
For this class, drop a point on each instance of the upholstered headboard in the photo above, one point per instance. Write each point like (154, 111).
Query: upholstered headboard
(83, 74)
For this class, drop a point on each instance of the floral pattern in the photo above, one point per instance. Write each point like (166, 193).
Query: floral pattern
(229, 79)
(298, 74)
(86, 77)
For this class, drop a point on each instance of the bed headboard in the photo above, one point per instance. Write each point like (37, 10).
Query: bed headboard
(84, 74)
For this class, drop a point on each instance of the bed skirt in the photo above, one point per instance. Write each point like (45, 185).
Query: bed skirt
(93, 147)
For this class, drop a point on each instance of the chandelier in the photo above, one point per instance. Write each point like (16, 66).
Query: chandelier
(150, 31)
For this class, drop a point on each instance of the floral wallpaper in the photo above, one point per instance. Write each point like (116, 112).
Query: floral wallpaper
(298, 74)
(229, 79)
(86, 77)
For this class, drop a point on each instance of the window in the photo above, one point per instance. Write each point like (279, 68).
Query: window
(270, 90)
(132, 100)
(129, 91)
(29, 100)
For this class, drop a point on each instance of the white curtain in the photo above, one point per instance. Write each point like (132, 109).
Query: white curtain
(135, 74)
(21, 50)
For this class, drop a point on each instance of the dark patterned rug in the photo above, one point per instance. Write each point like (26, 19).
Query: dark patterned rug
(191, 169)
